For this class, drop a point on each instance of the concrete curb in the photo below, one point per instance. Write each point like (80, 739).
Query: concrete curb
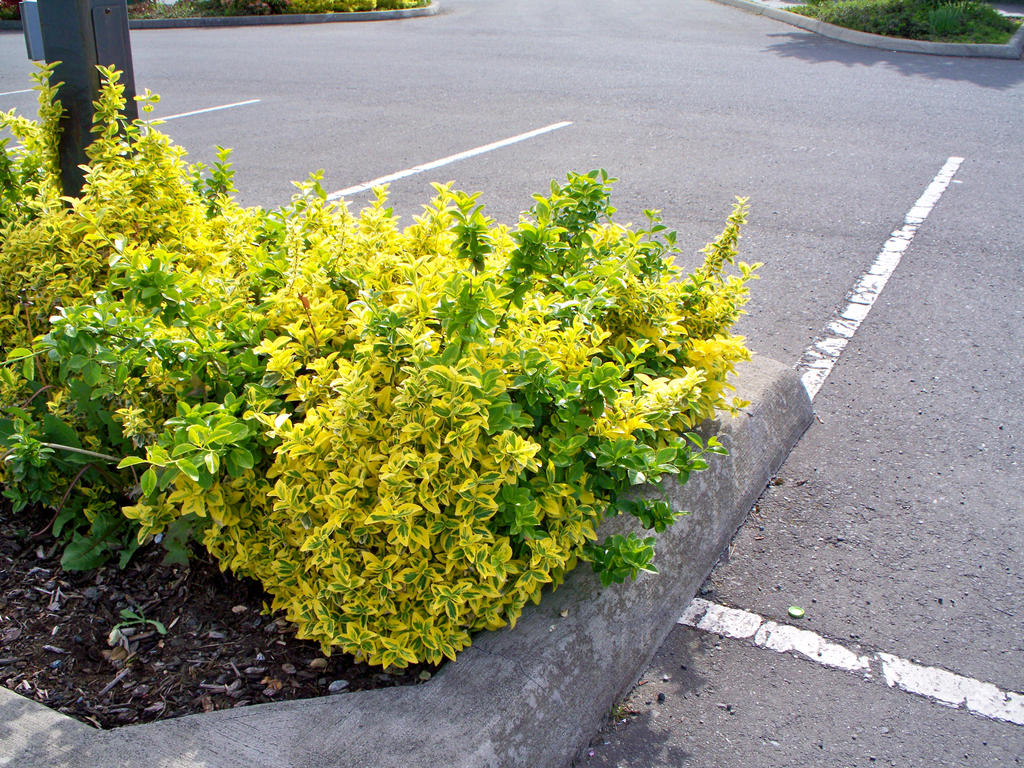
(1010, 50)
(531, 697)
(285, 18)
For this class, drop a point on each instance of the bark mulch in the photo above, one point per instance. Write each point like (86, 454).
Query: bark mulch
(58, 644)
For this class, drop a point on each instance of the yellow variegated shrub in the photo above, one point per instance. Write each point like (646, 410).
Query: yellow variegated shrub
(403, 434)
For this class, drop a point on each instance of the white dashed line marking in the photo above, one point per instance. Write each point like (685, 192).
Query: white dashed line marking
(204, 111)
(938, 685)
(820, 358)
(933, 683)
(785, 638)
(952, 689)
(12, 93)
(445, 161)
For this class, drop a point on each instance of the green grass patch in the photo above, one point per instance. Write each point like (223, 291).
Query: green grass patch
(956, 21)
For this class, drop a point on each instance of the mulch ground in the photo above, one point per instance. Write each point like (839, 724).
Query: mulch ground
(57, 643)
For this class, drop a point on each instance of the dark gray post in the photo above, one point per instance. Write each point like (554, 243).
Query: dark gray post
(30, 26)
(82, 34)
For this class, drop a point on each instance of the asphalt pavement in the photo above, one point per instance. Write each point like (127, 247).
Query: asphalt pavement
(896, 523)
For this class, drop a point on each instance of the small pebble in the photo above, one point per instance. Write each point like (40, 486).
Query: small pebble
(288, 669)
(318, 664)
(661, 698)
(337, 686)
(239, 609)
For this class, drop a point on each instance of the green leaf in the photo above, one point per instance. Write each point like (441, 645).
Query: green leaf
(175, 541)
(17, 354)
(130, 461)
(77, 362)
(167, 477)
(91, 374)
(131, 547)
(636, 477)
(190, 470)
(148, 482)
(212, 461)
(68, 514)
(56, 431)
(84, 553)
(242, 457)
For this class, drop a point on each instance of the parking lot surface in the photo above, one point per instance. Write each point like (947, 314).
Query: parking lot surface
(897, 522)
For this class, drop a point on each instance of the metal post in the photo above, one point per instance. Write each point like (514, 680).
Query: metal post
(81, 35)
(30, 26)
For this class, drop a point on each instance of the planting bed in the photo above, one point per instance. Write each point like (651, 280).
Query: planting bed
(219, 651)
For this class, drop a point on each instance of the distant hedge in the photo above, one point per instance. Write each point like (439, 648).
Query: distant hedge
(955, 21)
(151, 9)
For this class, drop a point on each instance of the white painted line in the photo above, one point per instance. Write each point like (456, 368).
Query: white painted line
(954, 690)
(204, 111)
(445, 161)
(933, 683)
(785, 638)
(728, 622)
(820, 358)
(12, 93)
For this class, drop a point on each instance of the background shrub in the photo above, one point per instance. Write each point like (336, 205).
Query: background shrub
(186, 8)
(403, 434)
(959, 21)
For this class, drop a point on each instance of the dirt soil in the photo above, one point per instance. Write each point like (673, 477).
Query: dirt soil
(57, 643)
